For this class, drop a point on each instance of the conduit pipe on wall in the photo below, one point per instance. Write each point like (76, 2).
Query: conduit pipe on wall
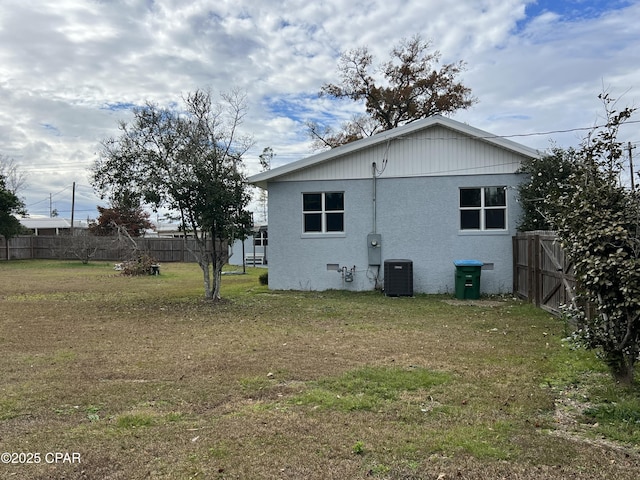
(376, 172)
(375, 176)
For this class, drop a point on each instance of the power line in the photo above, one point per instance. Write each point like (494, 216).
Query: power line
(531, 134)
(569, 130)
(50, 197)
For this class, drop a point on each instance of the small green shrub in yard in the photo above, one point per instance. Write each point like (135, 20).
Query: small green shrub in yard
(358, 447)
(93, 413)
(264, 278)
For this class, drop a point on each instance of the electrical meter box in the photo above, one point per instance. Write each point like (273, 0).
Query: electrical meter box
(374, 244)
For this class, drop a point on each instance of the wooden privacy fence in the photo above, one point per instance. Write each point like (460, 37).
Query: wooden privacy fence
(106, 248)
(541, 272)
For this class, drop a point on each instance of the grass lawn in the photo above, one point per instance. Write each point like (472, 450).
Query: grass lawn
(140, 378)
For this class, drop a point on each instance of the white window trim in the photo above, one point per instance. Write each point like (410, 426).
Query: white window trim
(260, 238)
(323, 216)
(483, 230)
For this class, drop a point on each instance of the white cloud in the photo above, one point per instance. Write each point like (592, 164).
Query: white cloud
(68, 67)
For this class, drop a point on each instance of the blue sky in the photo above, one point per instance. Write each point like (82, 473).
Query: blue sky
(70, 70)
(574, 9)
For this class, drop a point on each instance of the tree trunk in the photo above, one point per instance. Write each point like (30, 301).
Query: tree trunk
(217, 263)
(625, 374)
(211, 263)
(217, 279)
(622, 366)
(204, 261)
(208, 294)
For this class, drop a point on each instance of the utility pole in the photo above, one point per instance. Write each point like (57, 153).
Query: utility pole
(633, 182)
(73, 204)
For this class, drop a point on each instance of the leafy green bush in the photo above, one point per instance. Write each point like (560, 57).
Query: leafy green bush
(547, 175)
(264, 278)
(598, 222)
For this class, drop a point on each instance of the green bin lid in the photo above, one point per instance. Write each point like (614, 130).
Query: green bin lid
(468, 263)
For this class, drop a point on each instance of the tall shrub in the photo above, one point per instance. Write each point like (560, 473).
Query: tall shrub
(546, 177)
(597, 218)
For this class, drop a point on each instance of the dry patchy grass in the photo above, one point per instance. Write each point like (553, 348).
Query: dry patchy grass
(145, 380)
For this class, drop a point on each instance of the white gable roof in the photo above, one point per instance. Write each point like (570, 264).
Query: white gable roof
(34, 223)
(457, 155)
(46, 222)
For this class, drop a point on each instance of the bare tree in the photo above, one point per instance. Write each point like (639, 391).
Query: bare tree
(266, 158)
(15, 179)
(82, 246)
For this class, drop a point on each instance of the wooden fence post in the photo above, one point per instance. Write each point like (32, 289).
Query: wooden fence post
(514, 264)
(537, 276)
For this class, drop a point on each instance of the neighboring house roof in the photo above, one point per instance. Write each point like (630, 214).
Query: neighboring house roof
(453, 126)
(54, 222)
(50, 222)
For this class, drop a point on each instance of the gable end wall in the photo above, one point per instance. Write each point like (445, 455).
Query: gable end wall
(437, 151)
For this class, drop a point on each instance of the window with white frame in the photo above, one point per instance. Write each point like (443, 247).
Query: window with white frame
(323, 212)
(260, 238)
(483, 208)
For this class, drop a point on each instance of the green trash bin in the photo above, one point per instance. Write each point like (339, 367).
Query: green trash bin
(468, 279)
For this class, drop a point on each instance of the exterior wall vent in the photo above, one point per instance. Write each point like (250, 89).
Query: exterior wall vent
(398, 278)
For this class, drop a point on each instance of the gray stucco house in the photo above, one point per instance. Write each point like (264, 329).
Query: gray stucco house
(430, 192)
(252, 251)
